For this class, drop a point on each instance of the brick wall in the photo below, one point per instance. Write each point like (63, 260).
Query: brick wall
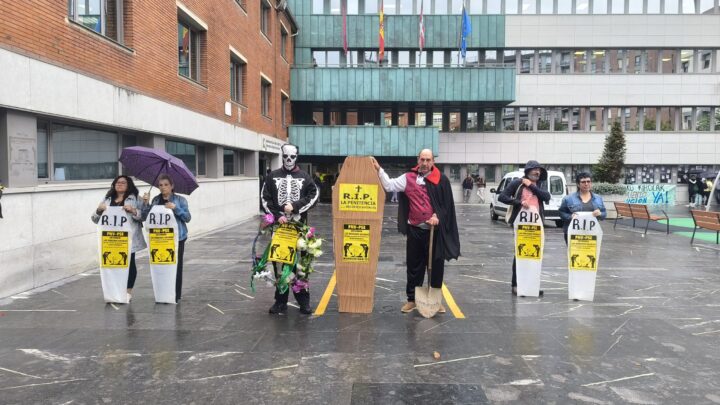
(40, 29)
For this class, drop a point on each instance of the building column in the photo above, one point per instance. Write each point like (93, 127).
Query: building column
(152, 141)
(18, 146)
(250, 160)
(214, 161)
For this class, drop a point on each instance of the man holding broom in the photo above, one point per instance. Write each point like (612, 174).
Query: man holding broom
(426, 201)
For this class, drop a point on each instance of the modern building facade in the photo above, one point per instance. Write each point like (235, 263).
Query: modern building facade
(542, 79)
(81, 79)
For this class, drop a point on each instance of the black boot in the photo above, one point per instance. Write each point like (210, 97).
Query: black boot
(280, 306)
(303, 300)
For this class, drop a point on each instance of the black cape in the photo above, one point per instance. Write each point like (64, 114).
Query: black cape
(441, 198)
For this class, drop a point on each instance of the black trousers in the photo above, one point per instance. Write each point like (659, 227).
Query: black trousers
(178, 277)
(302, 297)
(418, 243)
(133, 272)
(514, 276)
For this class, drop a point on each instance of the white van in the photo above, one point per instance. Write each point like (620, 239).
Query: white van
(555, 183)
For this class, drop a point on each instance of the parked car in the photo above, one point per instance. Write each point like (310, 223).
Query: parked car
(555, 184)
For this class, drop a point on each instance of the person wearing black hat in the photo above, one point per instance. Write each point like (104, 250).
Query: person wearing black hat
(526, 192)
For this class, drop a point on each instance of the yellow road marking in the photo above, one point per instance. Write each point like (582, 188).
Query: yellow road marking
(322, 305)
(451, 303)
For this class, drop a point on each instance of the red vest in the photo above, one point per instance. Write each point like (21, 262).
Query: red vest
(420, 207)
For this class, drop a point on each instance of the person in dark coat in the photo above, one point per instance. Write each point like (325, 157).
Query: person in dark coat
(426, 200)
(526, 192)
(288, 193)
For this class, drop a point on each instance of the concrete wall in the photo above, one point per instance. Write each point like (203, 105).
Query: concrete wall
(577, 147)
(614, 31)
(47, 234)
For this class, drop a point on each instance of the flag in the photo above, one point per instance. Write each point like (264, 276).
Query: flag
(344, 27)
(421, 28)
(381, 53)
(466, 30)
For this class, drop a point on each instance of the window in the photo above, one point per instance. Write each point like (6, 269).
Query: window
(562, 119)
(335, 7)
(471, 122)
(527, 61)
(440, 7)
(406, 7)
(688, 6)
(578, 123)
(403, 58)
(582, 7)
(353, 8)
(600, 6)
(184, 151)
(546, 7)
(318, 7)
(556, 186)
(511, 6)
(509, 57)
(651, 61)
(671, 6)
(528, 6)
(189, 51)
(667, 119)
(647, 174)
(635, 6)
(456, 6)
(598, 62)
(687, 61)
(618, 6)
(333, 59)
(238, 70)
(420, 59)
(580, 61)
(454, 121)
(265, 97)
(420, 119)
(653, 6)
(524, 115)
(265, 18)
(475, 7)
(617, 60)
(437, 120)
(545, 60)
(632, 118)
(371, 7)
(596, 119)
(706, 7)
(494, 7)
(544, 117)
(668, 61)
(649, 118)
(634, 61)
(228, 162)
(508, 119)
(42, 150)
(491, 56)
(704, 58)
(564, 62)
(564, 6)
(686, 116)
(102, 16)
(703, 117)
(438, 58)
(489, 123)
(319, 58)
(283, 43)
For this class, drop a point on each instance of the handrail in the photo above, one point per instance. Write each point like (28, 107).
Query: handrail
(375, 65)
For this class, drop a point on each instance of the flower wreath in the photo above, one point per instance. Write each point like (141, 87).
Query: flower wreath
(308, 245)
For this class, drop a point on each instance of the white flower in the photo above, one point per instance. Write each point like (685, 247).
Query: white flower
(302, 244)
(317, 253)
(315, 244)
(299, 267)
(300, 273)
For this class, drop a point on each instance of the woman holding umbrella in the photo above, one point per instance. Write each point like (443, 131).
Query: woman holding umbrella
(123, 193)
(179, 207)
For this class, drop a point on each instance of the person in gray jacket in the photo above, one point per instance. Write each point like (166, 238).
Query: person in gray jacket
(123, 193)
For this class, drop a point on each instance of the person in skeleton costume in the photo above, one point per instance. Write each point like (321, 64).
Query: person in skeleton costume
(288, 193)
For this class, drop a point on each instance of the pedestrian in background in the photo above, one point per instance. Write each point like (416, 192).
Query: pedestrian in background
(481, 189)
(695, 191)
(123, 193)
(181, 211)
(467, 186)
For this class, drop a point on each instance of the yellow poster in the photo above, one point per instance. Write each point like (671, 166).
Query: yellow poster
(529, 242)
(356, 243)
(583, 252)
(162, 246)
(283, 246)
(114, 249)
(358, 197)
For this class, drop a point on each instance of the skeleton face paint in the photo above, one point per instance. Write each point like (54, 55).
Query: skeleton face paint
(289, 156)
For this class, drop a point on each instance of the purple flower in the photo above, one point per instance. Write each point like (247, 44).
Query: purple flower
(300, 285)
(311, 232)
(267, 219)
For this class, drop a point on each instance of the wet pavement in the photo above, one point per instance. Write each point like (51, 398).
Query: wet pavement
(652, 334)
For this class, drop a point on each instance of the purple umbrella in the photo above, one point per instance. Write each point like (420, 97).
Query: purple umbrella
(147, 164)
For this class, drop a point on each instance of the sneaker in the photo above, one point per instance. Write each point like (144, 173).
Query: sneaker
(278, 309)
(129, 297)
(514, 291)
(408, 307)
(442, 309)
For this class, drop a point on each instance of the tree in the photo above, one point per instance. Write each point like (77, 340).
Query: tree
(609, 167)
